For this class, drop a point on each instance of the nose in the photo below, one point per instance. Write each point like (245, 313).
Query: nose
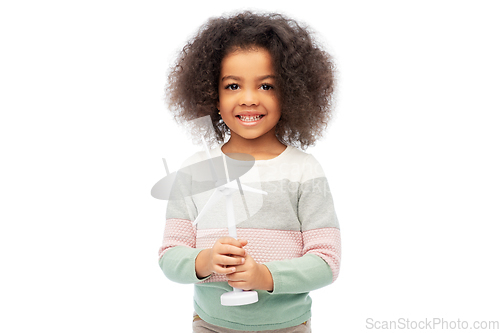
(249, 97)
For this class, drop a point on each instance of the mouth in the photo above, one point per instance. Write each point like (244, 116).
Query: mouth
(250, 119)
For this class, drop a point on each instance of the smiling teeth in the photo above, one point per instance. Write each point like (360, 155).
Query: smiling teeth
(255, 118)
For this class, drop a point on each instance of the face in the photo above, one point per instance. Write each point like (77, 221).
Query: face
(248, 102)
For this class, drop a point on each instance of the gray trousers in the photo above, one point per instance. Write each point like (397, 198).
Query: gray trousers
(201, 326)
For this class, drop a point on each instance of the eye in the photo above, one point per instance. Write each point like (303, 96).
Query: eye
(232, 86)
(266, 86)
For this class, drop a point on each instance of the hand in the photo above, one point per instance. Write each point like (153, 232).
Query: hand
(222, 258)
(251, 275)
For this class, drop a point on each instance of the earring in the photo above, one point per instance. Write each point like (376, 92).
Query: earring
(219, 112)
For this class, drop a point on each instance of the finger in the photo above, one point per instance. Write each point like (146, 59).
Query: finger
(243, 242)
(239, 284)
(230, 241)
(224, 270)
(242, 267)
(237, 277)
(228, 249)
(228, 260)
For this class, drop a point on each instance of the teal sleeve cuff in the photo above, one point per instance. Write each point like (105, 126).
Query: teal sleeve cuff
(299, 275)
(178, 264)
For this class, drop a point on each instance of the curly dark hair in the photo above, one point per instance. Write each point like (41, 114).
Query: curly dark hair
(305, 74)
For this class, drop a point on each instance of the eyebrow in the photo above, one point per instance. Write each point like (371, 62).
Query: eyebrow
(237, 78)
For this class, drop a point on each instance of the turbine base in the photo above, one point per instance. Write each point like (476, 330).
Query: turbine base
(235, 298)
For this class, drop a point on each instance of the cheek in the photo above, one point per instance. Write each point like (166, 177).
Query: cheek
(225, 108)
(275, 106)
(225, 103)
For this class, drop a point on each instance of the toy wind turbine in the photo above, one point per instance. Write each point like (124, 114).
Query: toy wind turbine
(226, 188)
(225, 180)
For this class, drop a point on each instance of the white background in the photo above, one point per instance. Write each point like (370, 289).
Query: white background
(412, 159)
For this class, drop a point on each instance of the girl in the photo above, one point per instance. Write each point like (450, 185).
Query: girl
(268, 90)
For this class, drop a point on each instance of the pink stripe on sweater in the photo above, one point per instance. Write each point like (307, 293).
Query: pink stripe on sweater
(325, 243)
(263, 245)
(178, 232)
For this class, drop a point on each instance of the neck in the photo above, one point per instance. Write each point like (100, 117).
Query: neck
(262, 148)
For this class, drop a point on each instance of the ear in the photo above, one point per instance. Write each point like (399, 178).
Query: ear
(218, 105)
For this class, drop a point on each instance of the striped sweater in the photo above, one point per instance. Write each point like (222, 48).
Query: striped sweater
(293, 230)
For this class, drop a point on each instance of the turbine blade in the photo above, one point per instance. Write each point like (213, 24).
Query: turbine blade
(165, 165)
(212, 166)
(213, 198)
(247, 212)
